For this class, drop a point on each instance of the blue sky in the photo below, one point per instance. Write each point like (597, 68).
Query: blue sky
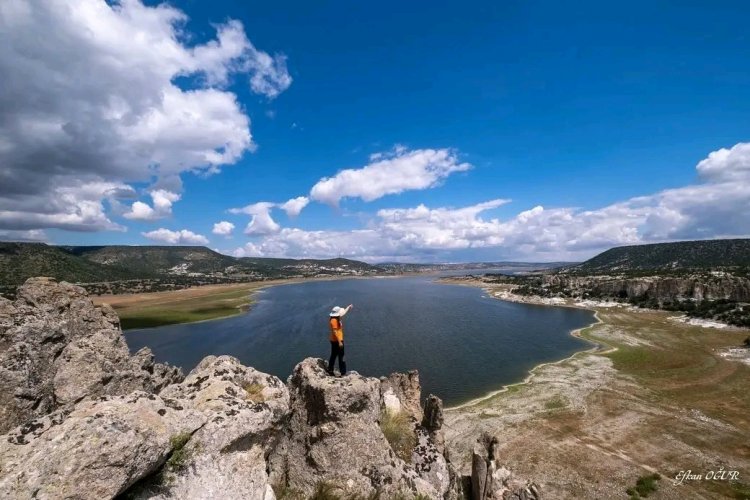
(589, 123)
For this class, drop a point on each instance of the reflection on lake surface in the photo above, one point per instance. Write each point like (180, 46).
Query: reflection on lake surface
(463, 342)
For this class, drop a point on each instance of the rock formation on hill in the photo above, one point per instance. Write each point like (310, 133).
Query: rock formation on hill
(57, 348)
(84, 419)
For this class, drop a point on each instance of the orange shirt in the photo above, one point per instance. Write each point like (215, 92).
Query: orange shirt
(337, 330)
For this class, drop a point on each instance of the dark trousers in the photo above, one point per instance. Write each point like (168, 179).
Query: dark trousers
(337, 351)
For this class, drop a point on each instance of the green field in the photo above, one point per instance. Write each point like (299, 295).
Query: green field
(183, 306)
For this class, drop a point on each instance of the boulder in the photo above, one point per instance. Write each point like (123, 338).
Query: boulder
(97, 450)
(57, 348)
(244, 411)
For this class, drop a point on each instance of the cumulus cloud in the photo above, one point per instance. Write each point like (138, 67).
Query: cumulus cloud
(32, 235)
(182, 237)
(88, 99)
(727, 164)
(223, 228)
(261, 223)
(162, 201)
(294, 206)
(717, 207)
(75, 207)
(396, 172)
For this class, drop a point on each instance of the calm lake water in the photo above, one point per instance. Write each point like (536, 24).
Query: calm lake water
(464, 343)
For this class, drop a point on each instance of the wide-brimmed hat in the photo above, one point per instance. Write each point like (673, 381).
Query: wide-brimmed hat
(337, 311)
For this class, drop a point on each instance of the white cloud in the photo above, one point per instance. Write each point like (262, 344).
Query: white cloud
(88, 99)
(162, 200)
(294, 206)
(727, 164)
(223, 228)
(261, 223)
(399, 171)
(78, 208)
(182, 237)
(32, 235)
(717, 207)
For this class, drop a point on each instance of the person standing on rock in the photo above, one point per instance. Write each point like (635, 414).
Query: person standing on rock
(337, 338)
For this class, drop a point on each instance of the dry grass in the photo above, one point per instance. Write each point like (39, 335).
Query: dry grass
(254, 392)
(399, 431)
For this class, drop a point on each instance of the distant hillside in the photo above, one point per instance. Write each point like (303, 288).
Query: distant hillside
(156, 260)
(164, 267)
(684, 255)
(20, 261)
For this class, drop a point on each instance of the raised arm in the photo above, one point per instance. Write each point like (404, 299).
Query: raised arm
(348, 308)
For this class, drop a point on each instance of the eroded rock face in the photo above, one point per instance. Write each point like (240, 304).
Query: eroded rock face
(659, 288)
(401, 392)
(491, 481)
(96, 451)
(334, 435)
(57, 348)
(244, 411)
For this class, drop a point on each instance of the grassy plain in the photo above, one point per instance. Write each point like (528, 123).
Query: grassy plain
(145, 310)
(655, 396)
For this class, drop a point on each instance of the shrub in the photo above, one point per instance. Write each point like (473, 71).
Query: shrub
(555, 403)
(399, 431)
(180, 455)
(644, 486)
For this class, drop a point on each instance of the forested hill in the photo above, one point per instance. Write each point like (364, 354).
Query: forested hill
(684, 255)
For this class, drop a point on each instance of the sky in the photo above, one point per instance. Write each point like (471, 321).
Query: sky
(380, 131)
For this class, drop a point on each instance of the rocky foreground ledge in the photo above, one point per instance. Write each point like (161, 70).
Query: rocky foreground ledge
(84, 419)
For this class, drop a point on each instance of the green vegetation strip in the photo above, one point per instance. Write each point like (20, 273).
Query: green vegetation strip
(214, 306)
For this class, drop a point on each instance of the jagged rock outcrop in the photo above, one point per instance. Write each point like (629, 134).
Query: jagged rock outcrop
(402, 392)
(491, 481)
(96, 451)
(244, 411)
(334, 435)
(57, 348)
(661, 288)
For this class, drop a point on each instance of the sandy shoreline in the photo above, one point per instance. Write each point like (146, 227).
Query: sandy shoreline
(506, 387)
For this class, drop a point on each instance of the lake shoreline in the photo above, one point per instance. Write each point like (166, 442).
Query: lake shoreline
(656, 396)
(596, 347)
(137, 307)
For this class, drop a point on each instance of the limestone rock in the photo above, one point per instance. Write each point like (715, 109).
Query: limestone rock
(401, 392)
(96, 451)
(57, 348)
(333, 432)
(334, 435)
(244, 411)
(490, 481)
(433, 413)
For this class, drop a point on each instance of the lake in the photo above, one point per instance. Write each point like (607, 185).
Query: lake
(464, 343)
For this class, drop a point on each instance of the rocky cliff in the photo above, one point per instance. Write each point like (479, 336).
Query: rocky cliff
(84, 419)
(57, 348)
(661, 288)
